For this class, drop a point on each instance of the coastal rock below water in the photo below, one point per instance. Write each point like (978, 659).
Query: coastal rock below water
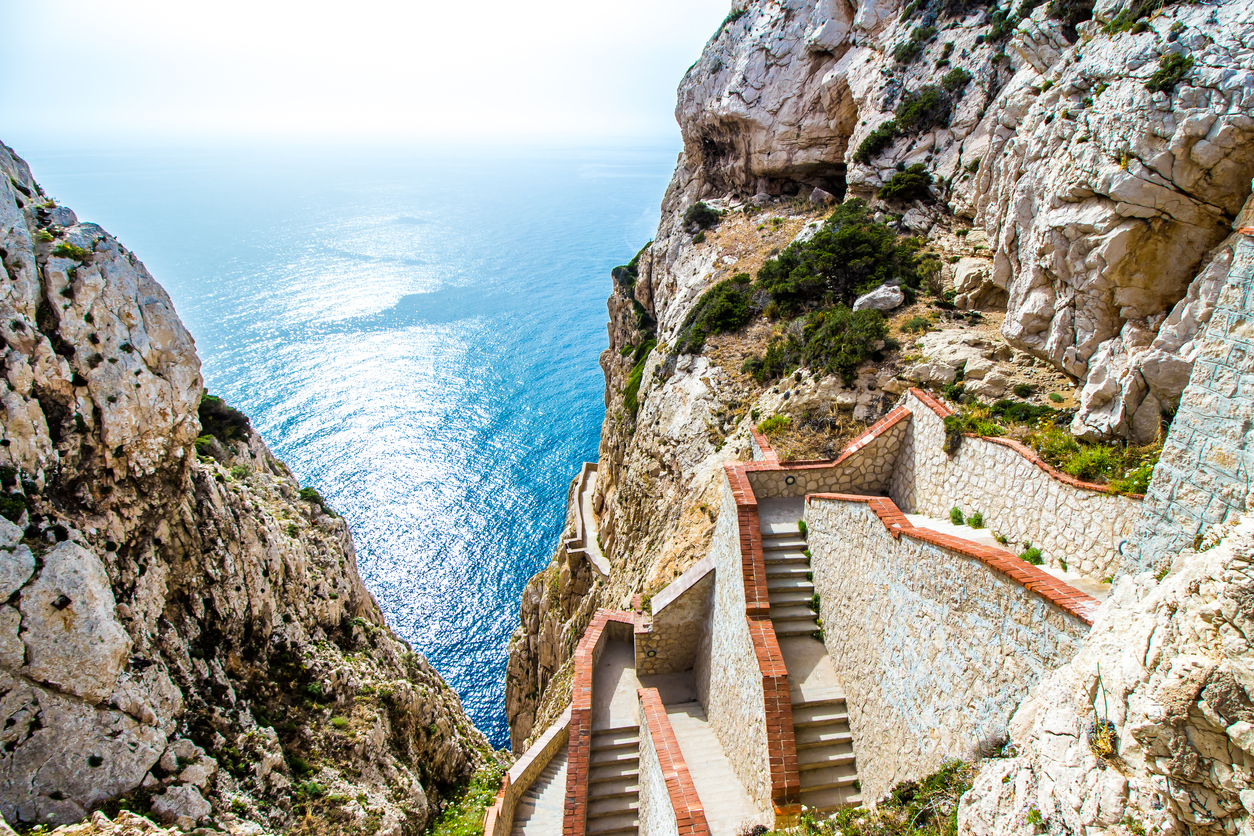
(180, 628)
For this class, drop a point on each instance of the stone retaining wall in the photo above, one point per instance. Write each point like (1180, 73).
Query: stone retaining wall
(669, 805)
(1020, 497)
(680, 618)
(1203, 478)
(865, 466)
(937, 640)
(728, 680)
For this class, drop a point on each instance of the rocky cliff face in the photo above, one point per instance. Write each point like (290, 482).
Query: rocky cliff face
(184, 632)
(1088, 163)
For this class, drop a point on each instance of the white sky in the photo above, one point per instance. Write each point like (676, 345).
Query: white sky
(491, 70)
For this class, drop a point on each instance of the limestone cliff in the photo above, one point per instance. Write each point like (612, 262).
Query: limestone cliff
(1088, 162)
(184, 630)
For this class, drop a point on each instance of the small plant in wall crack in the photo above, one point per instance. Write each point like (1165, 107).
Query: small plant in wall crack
(801, 526)
(955, 516)
(976, 520)
(814, 602)
(1031, 554)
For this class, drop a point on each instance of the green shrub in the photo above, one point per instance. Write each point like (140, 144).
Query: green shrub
(1093, 463)
(625, 275)
(310, 494)
(849, 255)
(699, 238)
(774, 424)
(920, 112)
(71, 251)
(955, 515)
(339, 722)
(12, 506)
(631, 392)
(801, 526)
(222, 421)
(725, 307)
(240, 471)
(1172, 68)
(910, 184)
(1055, 397)
(910, 49)
(1031, 554)
(876, 142)
(1001, 538)
(956, 80)
(1070, 13)
(1022, 390)
(976, 520)
(702, 215)
(1020, 413)
(916, 325)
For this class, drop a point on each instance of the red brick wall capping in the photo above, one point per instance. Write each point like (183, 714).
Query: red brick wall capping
(575, 812)
(689, 814)
(1057, 592)
(1022, 449)
(868, 435)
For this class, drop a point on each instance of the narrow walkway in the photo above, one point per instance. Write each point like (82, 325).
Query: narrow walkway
(1100, 591)
(728, 809)
(540, 811)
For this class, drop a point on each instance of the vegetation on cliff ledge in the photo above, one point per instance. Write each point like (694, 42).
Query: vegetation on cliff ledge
(1122, 467)
(928, 807)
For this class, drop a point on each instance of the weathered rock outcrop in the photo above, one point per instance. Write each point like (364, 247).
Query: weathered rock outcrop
(180, 623)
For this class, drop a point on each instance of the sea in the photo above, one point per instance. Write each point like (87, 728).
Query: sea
(414, 329)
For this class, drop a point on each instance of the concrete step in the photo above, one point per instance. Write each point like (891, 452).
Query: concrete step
(797, 583)
(831, 799)
(790, 629)
(775, 558)
(796, 571)
(617, 740)
(832, 734)
(791, 597)
(827, 778)
(822, 758)
(602, 808)
(625, 757)
(619, 787)
(792, 612)
(805, 716)
(793, 543)
(614, 772)
(780, 529)
(620, 824)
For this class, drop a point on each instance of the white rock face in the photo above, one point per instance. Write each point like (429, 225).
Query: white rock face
(883, 298)
(159, 602)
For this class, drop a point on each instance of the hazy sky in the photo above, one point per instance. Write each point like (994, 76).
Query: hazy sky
(491, 70)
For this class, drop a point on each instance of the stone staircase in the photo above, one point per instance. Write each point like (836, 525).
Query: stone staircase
(613, 788)
(788, 580)
(540, 810)
(825, 754)
(728, 809)
(825, 757)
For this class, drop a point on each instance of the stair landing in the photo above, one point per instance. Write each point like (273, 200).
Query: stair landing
(539, 812)
(728, 809)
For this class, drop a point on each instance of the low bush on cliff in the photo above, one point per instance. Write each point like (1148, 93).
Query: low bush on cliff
(723, 308)
(631, 392)
(1122, 467)
(911, 184)
(625, 275)
(221, 420)
(851, 254)
(1171, 71)
(928, 807)
(463, 811)
(701, 216)
(833, 341)
(917, 112)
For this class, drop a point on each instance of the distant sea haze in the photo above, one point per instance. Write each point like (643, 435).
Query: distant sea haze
(414, 331)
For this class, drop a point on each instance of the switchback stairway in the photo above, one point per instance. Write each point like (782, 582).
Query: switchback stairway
(613, 788)
(825, 759)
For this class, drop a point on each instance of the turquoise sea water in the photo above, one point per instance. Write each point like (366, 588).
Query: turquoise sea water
(414, 331)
